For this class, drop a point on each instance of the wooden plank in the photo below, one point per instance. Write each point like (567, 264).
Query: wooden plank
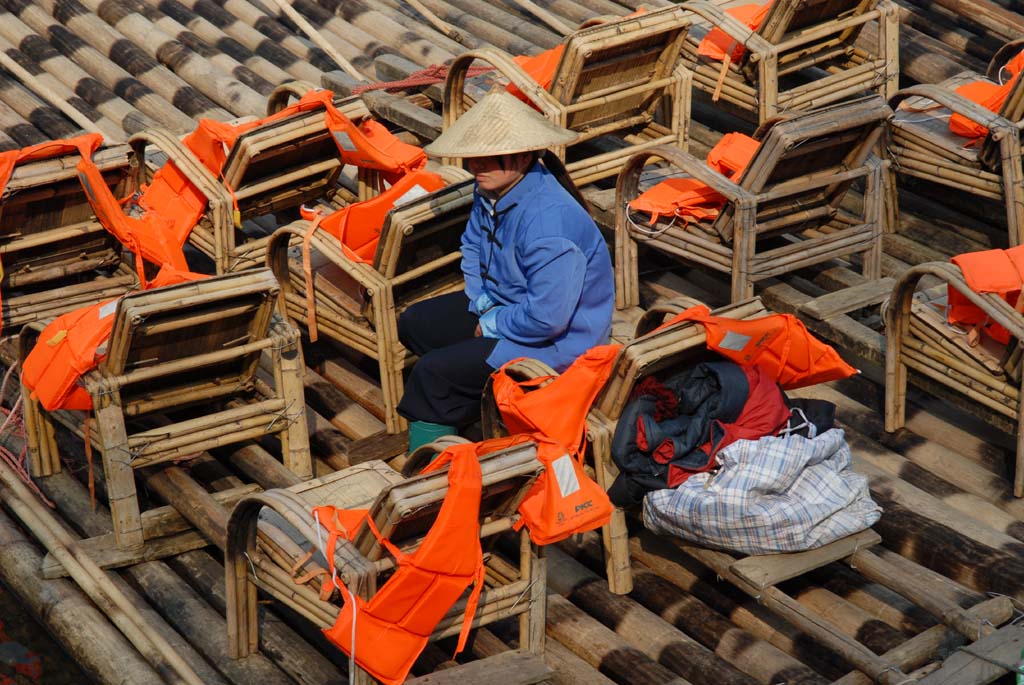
(104, 551)
(382, 446)
(848, 299)
(982, 662)
(508, 668)
(764, 570)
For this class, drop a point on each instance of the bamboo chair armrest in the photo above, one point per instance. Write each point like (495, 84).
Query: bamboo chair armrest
(998, 309)
(958, 104)
(736, 29)
(1001, 56)
(627, 186)
(278, 98)
(218, 199)
(656, 313)
(502, 61)
(277, 255)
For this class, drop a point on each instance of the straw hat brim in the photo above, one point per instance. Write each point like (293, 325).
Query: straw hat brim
(499, 124)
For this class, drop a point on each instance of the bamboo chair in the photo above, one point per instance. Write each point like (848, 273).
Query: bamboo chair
(611, 79)
(789, 194)
(945, 364)
(189, 352)
(651, 352)
(802, 56)
(262, 550)
(418, 256)
(923, 146)
(56, 256)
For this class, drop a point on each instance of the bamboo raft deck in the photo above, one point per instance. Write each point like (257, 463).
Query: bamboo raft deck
(950, 522)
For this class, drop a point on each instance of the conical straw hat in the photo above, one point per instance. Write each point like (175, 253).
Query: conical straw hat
(498, 124)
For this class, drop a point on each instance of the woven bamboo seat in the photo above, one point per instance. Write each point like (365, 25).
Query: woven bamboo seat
(781, 214)
(943, 360)
(403, 511)
(923, 146)
(357, 305)
(56, 256)
(651, 352)
(611, 79)
(804, 55)
(189, 353)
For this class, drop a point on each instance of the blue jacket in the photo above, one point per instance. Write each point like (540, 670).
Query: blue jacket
(538, 272)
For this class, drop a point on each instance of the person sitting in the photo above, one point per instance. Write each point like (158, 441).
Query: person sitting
(538, 273)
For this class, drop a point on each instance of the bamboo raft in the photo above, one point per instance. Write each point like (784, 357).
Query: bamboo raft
(945, 575)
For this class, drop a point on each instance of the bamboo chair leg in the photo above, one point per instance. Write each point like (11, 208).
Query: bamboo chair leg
(871, 265)
(627, 275)
(44, 458)
(390, 358)
(892, 207)
(295, 436)
(1013, 186)
(615, 537)
(895, 373)
(743, 245)
(241, 610)
(1018, 468)
(532, 622)
(124, 501)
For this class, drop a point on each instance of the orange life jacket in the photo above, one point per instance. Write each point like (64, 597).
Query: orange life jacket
(778, 343)
(564, 500)
(171, 206)
(84, 144)
(693, 200)
(720, 46)
(73, 344)
(392, 628)
(989, 95)
(987, 271)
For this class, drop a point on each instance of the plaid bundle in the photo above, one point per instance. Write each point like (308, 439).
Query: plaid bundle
(776, 494)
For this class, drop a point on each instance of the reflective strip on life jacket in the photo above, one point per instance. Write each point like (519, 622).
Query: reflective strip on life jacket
(778, 343)
(392, 628)
(987, 271)
(718, 44)
(989, 95)
(73, 344)
(693, 200)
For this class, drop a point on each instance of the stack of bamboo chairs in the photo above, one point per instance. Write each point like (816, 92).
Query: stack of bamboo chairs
(611, 79)
(923, 146)
(403, 510)
(804, 55)
(180, 377)
(783, 213)
(56, 256)
(652, 351)
(945, 362)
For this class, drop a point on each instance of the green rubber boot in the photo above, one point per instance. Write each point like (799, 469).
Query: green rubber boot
(423, 432)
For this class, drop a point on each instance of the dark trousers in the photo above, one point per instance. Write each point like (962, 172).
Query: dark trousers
(447, 381)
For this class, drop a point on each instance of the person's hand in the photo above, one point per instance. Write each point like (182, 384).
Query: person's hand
(476, 333)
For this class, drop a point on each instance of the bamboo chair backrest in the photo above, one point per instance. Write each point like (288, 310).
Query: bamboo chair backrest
(46, 221)
(199, 321)
(404, 512)
(672, 347)
(802, 162)
(419, 246)
(789, 17)
(1013, 105)
(282, 164)
(635, 52)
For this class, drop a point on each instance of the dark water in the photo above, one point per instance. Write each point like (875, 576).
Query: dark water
(28, 655)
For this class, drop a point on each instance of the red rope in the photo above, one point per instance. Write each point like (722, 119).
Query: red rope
(435, 73)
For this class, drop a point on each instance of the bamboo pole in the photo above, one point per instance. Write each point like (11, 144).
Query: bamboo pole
(94, 580)
(49, 121)
(47, 94)
(318, 39)
(644, 630)
(82, 24)
(15, 127)
(66, 612)
(548, 18)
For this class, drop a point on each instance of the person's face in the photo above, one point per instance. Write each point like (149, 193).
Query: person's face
(497, 174)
